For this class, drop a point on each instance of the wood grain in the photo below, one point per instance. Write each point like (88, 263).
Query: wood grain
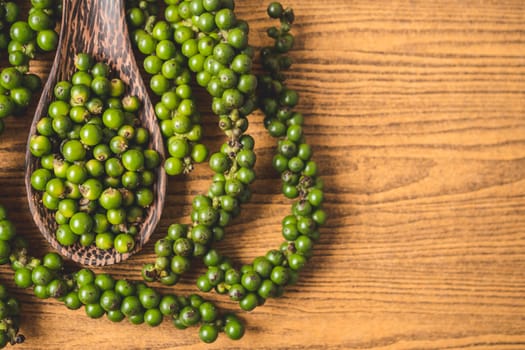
(415, 111)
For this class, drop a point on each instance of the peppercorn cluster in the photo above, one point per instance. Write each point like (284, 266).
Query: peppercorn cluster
(96, 170)
(184, 46)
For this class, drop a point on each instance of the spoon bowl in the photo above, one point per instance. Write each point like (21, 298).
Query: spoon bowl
(98, 28)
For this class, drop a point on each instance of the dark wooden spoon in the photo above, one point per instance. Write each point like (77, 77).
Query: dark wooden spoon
(96, 27)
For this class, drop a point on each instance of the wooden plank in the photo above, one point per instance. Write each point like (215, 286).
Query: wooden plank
(415, 112)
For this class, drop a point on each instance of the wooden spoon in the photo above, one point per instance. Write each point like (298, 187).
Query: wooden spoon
(96, 27)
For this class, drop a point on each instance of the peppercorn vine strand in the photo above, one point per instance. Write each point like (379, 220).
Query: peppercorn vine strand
(9, 306)
(267, 275)
(101, 294)
(22, 40)
(221, 59)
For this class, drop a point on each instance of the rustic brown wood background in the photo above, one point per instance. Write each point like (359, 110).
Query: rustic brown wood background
(416, 113)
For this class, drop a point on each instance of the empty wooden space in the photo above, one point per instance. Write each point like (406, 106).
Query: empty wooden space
(416, 113)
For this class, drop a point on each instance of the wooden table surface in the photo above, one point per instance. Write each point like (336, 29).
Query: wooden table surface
(416, 113)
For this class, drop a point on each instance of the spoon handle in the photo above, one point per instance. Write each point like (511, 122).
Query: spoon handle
(96, 27)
